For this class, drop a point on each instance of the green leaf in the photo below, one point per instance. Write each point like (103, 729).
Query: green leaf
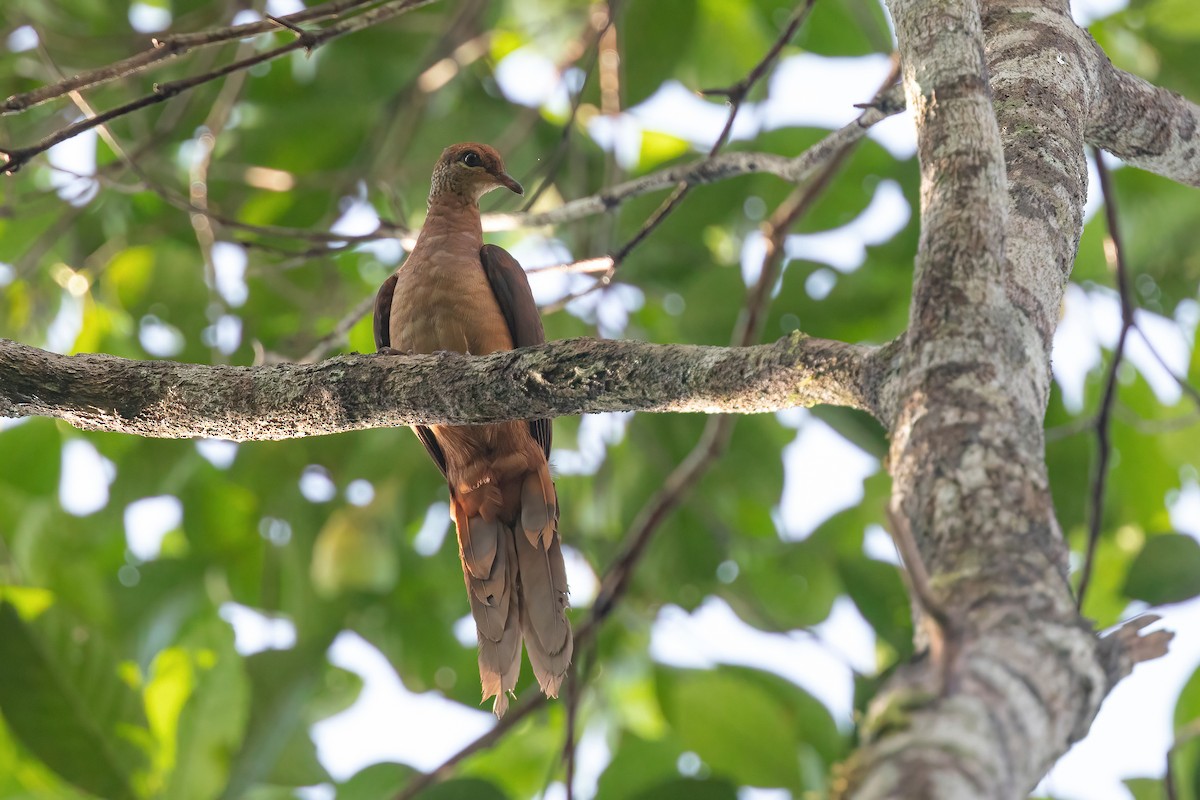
(463, 789)
(1166, 571)
(846, 27)
(688, 789)
(36, 471)
(282, 683)
(784, 585)
(735, 726)
(879, 593)
(1146, 788)
(381, 781)
(297, 764)
(647, 57)
(62, 695)
(637, 764)
(213, 720)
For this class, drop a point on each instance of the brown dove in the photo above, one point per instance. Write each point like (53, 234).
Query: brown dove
(455, 293)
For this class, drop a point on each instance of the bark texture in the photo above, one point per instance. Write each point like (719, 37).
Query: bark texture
(1005, 93)
(1147, 126)
(171, 400)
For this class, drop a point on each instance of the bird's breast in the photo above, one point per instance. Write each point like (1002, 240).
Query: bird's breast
(443, 301)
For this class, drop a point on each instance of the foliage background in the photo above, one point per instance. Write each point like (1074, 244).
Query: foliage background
(118, 668)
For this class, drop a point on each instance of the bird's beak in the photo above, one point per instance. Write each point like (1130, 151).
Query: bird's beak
(509, 182)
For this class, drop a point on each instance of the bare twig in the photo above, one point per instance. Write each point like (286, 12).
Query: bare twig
(946, 638)
(1185, 387)
(549, 168)
(17, 157)
(1150, 427)
(717, 431)
(709, 170)
(168, 47)
(336, 337)
(303, 35)
(531, 702)
(581, 668)
(1115, 253)
(736, 95)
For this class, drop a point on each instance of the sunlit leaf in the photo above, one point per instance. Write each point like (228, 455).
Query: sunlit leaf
(1166, 571)
(732, 725)
(61, 693)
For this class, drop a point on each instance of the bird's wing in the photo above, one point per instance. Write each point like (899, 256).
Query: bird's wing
(511, 288)
(383, 312)
(383, 338)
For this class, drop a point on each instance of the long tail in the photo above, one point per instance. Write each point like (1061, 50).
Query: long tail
(517, 586)
(543, 585)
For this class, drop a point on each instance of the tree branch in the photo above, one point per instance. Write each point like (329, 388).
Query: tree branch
(17, 157)
(1146, 126)
(167, 47)
(575, 376)
(709, 170)
(736, 95)
(1114, 251)
(1003, 182)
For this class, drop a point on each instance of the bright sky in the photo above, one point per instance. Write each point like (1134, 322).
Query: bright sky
(805, 89)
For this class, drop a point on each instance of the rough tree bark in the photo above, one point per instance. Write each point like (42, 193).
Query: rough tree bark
(1006, 94)
(576, 376)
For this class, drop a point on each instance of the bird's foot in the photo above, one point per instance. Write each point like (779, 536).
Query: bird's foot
(391, 351)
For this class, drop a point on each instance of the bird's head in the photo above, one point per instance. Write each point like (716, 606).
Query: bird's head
(470, 171)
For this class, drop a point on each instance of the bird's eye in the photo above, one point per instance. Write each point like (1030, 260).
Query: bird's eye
(471, 159)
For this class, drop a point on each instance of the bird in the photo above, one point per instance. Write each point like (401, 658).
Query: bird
(455, 293)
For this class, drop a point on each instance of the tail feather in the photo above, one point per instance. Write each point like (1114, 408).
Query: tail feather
(539, 507)
(500, 644)
(477, 539)
(491, 597)
(543, 611)
(517, 586)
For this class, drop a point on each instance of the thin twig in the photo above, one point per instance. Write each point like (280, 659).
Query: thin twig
(945, 640)
(518, 711)
(303, 35)
(572, 703)
(549, 168)
(168, 47)
(1115, 254)
(1187, 388)
(707, 170)
(18, 157)
(1121, 412)
(336, 337)
(736, 95)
